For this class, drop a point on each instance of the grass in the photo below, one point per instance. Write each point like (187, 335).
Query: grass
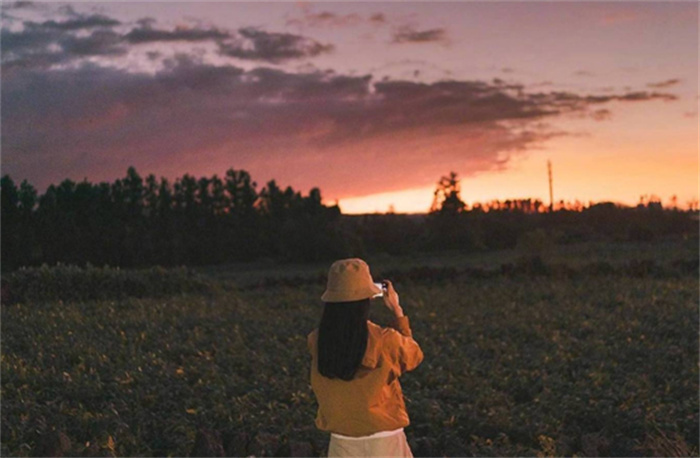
(575, 255)
(514, 365)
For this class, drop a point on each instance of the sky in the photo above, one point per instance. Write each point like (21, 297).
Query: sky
(372, 102)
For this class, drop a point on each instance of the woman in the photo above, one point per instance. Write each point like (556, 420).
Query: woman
(356, 366)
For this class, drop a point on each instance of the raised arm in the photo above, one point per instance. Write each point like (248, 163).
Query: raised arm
(407, 351)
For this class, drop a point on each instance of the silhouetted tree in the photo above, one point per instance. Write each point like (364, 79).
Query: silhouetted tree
(150, 197)
(132, 222)
(447, 226)
(241, 192)
(11, 249)
(242, 232)
(446, 198)
(165, 225)
(220, 202)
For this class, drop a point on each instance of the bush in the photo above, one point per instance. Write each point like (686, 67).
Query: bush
(535, 244)
(72, 283)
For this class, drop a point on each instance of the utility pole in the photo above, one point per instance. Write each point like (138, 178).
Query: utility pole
(551, 194)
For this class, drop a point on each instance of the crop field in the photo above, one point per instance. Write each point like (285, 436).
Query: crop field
(594, 353)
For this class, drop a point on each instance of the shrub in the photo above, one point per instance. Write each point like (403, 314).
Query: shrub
(535, 244)
(72, 283)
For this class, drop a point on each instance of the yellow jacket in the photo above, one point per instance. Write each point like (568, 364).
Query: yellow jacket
(372, 401)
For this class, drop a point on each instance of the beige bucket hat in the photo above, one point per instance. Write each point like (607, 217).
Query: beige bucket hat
(349, 280)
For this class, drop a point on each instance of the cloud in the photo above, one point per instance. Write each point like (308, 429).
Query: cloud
(325, 18)
(307, 129)
(583, 73)
(636, 96)
(40, 46)
(147, 34)
(568, 102)
(377, 18)
(408, 34)
(309, 18)
(247, 43)
(664, 84)
(81, 22)
(19, 5)
(256, 44)
(146, 22)
(410, 68)
(50, 43)
(602, 114)
(98, 43)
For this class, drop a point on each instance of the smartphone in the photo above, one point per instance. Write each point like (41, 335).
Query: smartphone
(382, 287)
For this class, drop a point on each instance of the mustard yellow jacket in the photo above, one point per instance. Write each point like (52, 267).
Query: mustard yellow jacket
(372, 401)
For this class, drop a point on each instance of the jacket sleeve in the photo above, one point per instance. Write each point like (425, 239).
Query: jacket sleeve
(406, 350)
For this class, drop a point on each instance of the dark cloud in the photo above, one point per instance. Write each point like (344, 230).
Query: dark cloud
(305, 129)
(408, 34)
(583, 73)
(146, 34)
(68, 10)
(81, 22)
(98, 43)
(403, 68)
(29, 40)
(637, 96)
(602, 114)
(256, 44)
(377, 18)
(46, 44)
(664, 84)
(40, 46)
(18, 5)
(325, 18)
(310, 18)
(146, 22)
(568, 102)
(248, 43)
(43, 44)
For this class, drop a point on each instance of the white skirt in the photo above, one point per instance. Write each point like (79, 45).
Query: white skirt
(383, 443)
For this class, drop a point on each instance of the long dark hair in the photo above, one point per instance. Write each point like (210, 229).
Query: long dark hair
(342, 338)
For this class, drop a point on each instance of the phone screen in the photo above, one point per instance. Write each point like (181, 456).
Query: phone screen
(380, 286)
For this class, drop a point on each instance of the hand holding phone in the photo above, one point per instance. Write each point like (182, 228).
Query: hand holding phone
(391, 298)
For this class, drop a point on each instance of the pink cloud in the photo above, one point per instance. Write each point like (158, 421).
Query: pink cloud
(348, 135)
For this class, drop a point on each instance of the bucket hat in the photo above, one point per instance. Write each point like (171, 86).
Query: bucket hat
(349, 280)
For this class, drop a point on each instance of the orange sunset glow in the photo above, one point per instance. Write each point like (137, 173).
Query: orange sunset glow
(370, 102)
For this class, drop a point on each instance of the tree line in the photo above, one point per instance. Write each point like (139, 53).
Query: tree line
(136, 222)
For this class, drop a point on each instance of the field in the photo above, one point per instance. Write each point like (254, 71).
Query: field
(589, 351)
